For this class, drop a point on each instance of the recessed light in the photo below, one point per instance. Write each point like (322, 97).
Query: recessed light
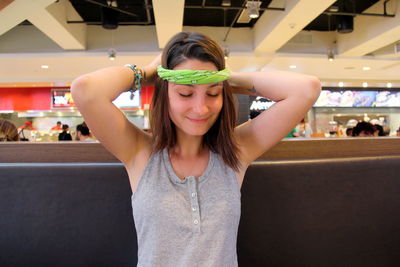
(44, 66)
(333, 8)
(365, 84)
(389, 85)
(341, 84)
(366, 68)
(292, 66)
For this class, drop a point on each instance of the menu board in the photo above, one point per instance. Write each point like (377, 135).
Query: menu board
(387, 99)
(261, 103)
(62, 98)
(349, 98)
(346, 98)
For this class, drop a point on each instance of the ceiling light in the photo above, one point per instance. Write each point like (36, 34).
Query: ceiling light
(341, 84)
(112, 3)
(331, 56)
(253, 8)
(226, 51)
(365, 84)
(292, 66)
(112, 53)
(44, 67)
(226, 3)
(389, 85)
(366, 68)
(333, 8)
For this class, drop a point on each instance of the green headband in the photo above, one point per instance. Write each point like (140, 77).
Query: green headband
(193, 76)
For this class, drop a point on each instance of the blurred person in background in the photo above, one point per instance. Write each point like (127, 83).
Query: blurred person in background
(8, 131)
(83, 133)
(398, 132)
(65, 135)
(349, 132)
(25, 131)
(303, 129)
(379, 130)
(364, 129)
(57, 127)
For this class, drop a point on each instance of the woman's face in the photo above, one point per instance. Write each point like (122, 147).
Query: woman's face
(195, 108)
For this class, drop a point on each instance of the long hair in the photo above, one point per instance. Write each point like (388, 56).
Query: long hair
(219, 138)
(8, 131)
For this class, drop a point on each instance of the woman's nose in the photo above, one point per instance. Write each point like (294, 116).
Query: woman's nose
(200, 105)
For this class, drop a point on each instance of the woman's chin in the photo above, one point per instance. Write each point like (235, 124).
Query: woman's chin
(197, 131)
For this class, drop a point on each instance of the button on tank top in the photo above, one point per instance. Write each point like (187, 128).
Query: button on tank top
(189, 222)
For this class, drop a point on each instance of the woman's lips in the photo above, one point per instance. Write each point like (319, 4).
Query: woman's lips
(198, 120)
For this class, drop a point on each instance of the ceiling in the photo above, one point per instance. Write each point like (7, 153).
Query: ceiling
(68, 36)
(207, 12)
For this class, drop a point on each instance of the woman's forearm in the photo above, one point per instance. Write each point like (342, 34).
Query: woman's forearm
(104, 84)
(275, 85)
(108, 83)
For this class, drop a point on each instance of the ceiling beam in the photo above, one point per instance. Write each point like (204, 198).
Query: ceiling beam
(52, 21)
(370, 33)
(5, 3)
(17, 11)
(169, 19)
(275, 28)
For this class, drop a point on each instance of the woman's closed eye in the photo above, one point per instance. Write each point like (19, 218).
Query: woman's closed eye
(208, 94)
(185, 95)
(213, 95)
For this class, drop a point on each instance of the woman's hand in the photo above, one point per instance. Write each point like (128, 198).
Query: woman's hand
(151, 71)
(240, 84)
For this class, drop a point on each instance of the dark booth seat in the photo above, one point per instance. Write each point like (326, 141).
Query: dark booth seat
(343, 212)
(297, 212)
(66, 215)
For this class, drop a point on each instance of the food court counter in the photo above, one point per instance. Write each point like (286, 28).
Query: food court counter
(298, 148)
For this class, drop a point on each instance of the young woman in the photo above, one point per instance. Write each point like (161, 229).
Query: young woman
(186, 176)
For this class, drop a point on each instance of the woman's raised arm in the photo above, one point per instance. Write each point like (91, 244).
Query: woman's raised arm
(294, 95)
(93, 94)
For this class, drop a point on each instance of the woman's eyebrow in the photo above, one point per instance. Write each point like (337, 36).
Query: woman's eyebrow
(215, 84)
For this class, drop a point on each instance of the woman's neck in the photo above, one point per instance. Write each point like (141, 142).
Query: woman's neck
(188, 146)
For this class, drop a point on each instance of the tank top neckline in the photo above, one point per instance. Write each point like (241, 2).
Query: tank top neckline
(175, 177)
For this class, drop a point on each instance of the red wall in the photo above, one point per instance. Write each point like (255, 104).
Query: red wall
(21, 99)
(39, 98)
(146, 95)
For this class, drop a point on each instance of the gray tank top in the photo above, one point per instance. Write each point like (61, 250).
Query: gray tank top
(190, 222)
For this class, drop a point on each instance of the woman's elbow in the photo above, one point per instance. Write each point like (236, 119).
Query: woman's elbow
(80, 87)
(313, 87)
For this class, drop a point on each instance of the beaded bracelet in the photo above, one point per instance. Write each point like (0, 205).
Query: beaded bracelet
(137, 76)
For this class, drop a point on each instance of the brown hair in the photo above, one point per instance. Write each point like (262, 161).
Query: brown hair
(8, 131)
(219, 138)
